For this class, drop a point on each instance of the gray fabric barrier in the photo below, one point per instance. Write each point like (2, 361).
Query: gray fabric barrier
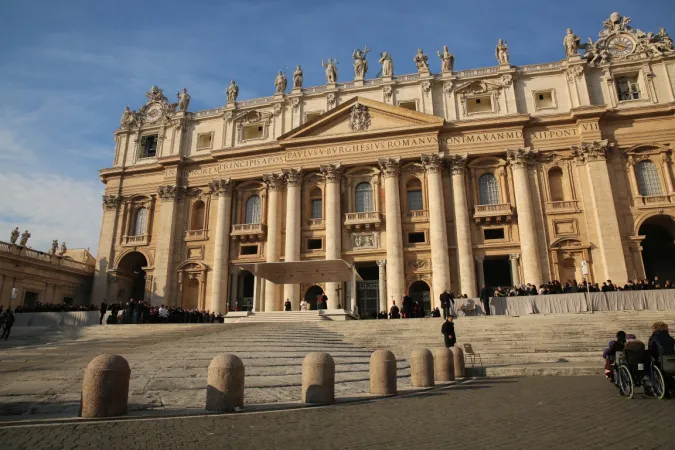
(51, 319)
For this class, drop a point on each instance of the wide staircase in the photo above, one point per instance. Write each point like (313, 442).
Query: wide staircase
(283, 316)
(564, 344)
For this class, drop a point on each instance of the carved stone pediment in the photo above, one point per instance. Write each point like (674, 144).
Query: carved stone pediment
(248, 117)
(478, 87)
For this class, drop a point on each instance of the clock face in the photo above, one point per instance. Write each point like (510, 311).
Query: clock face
(620, 45)
(153, 113)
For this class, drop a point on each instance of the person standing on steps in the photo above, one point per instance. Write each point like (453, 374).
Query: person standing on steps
(485, 298)
(448, 331)
(303, 305)
(394, 311)
(102, 310)
(446, 300)
(287, 305)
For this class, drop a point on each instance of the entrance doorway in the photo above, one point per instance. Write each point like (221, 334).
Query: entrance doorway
(312, 296)
(367, 291)
(497, 271)
(30, 298)
(131, 268)
(245, 291)
(658, 248)
(190, 294)
(420, 292)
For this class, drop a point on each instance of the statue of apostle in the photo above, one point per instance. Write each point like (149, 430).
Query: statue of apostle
(128, 117)
(421, 61)
(14, 236)
(183, 100)
(55, 246)
(502, 53)
(447, 60)
(297, 77)
(571, 43)
(387, 64)
(24, 238)
(331, 71)
(63, 249)
(360, 62)
(232, 92)
(280, 83)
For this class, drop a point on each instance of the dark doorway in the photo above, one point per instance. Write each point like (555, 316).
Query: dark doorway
(131, 266)
(30, 298)
(367, 291)
(658, 248)
(497, 270)
(245, 294)
(312, 296)
(420, 292)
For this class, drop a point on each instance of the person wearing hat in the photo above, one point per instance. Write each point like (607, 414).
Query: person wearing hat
(448, 331)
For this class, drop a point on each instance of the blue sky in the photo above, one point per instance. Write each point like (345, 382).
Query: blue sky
(68, 68)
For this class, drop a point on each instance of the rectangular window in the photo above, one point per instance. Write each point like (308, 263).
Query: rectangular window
(543, 100)
(317, 208)
(247, 250)
(415, 201)
(411, 105)
(204, 141)
(312, 115)
(627, 88)
(479, 104)
(314, 244)
(493, 233)
(416, 238)
(253, 132)
(149, 146)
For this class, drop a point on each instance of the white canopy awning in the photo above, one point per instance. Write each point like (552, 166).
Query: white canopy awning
(296, 272)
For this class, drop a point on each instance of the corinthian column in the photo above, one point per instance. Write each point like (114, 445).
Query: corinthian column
(520, 160)
(395, 275)
(274, 183)
(438, 233)
(333, 175)
(162, 286)
(222, 190)
(467, 270)
(610, 244)
(292, 247)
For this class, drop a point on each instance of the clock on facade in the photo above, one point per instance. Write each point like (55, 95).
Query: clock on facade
(153, 113)
(620, 45)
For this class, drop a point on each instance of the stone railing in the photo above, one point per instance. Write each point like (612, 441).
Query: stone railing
(476, 72)
(196, 235)
(135, 241)
(419, 215)
(562, 206)
(250, 231)
(255, 102)
(652, 201)
(35, 255)
(315, 223)
(541, 67)
(365, 220)
(489, 213)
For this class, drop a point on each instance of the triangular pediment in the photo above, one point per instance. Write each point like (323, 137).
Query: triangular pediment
(360, 116)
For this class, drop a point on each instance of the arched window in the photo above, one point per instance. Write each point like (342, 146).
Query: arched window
(316, 200)
(555, 184)
(197, 219)
(364, 197)
(140, 222)
(253, 209)
(488, 189)
(648, 178)
(414, 192)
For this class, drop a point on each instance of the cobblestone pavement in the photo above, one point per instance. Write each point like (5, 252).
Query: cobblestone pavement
(503, 413)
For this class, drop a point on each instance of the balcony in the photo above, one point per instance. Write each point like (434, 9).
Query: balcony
(316, 224)
(653, 201)
(420, 215)
(565, 206)
(249, 231)
(502, 212)
(363, 220)
(135, 241)
(26, 254)
(196, 235)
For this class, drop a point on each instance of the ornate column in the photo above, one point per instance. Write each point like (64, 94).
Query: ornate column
(520, 160)
(515, 272)
(392, 201)
(292, 245)
(222, 190)
(274, 183)
(234, 285)
(333, 176)
(162, 286)
(610, 243)
(438, 233)
(467, 271)
(665, 159)
(111, 210)
(381, 286)
(480, 272)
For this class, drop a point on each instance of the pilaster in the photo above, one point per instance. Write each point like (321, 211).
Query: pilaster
(222, 190)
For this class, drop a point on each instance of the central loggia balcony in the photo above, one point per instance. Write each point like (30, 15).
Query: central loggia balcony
(498, 213)
(249, 231)
(135, 241)
(363, 220)
(419, 215)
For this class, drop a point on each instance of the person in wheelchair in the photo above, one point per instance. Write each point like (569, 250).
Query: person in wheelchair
(609, 354)
(661, 343)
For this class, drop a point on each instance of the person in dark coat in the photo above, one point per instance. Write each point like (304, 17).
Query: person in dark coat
(445, 304)
(407, 306)
(485, 298)
(448, 331)
(323, 303)
(287, 305)
(8, 320)
(394, 312)
(102, 310)
(660, 342)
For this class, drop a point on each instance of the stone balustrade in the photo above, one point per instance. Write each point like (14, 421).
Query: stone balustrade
(562, 206)
(652, 201)
(365, 220)
(196, 235)
(421, 215)
(489, 213)
(250, 231)
(135, 241)
(36, 255)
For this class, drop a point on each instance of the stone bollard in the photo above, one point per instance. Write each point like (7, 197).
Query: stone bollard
(225, 390)
(105, 388)
(444, 368)
(421, 368)
(458, 356)
(382, 373)
(318, 378)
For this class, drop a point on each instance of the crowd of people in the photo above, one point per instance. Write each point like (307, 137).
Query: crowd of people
(139, 311)
(53, 307)
(572, 286)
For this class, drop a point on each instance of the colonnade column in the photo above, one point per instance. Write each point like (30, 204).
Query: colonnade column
(333, 176)
(515, 272)
(520, 160)
(292, 246)
(467, 270)
(222, 189)
(162, 286)
(480, 272)
(395, 276)
(610, 243)
(382, 288)
(234, 286)
(274, 183)
(438, 232)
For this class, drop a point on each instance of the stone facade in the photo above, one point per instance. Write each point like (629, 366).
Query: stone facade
(505, 175)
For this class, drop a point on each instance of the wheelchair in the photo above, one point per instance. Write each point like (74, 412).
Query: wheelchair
(634, 368)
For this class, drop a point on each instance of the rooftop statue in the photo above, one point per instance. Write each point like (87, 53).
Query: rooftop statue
(55, 246)
(14, 236)
(387, 64)
(297, 77)
(447, 60)
(63, 249)
(571, 43)
(360, 62)
(232, 92)
(502, 52)
(280, 83)
(421, 61)
(183, 100)
(331, 71)
(24, 238)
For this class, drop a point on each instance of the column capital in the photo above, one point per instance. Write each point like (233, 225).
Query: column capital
(171, 192)
(274, 181)
(514, 256)
(381, 263)
(521, 157)
(222, 186)
(293, 176)
(332, 173)
(112, 201)
(390, 167)
(479, 259)
(433, 162)
(592, 151)
(457, 163)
